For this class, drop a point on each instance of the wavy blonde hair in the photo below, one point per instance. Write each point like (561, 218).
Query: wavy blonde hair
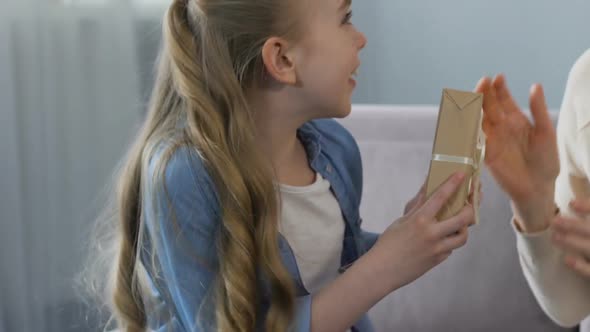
(211, 55)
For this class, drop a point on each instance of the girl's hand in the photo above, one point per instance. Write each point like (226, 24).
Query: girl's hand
(573, 236)
(420, 198)
(417, 200)
(471, 194)
(417, 242)
(521, 156)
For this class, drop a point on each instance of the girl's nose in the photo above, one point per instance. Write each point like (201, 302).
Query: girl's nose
(361, 40)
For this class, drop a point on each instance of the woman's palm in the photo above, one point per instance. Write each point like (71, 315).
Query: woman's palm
(521, 156)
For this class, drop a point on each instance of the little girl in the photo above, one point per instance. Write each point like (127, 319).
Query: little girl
(238, 205)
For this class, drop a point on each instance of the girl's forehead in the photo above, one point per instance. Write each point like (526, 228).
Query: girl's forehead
(323, 7)
(314, 14)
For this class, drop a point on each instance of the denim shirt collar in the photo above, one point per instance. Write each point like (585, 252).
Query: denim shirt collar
(312, 141)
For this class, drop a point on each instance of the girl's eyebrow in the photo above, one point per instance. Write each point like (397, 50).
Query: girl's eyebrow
(345, 4)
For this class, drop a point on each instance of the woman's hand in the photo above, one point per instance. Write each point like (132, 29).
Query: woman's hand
(522, 156)
(573, 236)
(417, 242)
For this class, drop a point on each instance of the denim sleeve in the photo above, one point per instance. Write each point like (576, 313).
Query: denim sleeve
(182, 229)
(302, 321)
(183, 232)
(368, 239)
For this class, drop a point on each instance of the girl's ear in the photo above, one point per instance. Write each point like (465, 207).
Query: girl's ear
(279, 61)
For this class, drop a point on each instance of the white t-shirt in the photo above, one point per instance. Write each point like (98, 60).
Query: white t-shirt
(563, 294)
(313, 225)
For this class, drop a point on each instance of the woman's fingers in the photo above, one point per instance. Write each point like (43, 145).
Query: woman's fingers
(572, 243)
(504, 96)
(573, 226)
(539, 110)
(578, 263)
(493, 112)
(581, 206)
(573, 236)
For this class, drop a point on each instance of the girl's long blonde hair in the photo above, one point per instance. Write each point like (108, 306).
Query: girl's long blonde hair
(211, 54)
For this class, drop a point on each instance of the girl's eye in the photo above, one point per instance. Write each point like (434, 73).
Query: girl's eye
(347, 18)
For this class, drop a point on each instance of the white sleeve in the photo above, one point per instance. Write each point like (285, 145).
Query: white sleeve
(563, 294)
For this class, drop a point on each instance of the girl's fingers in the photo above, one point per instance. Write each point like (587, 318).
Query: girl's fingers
(480, 190)
(415, 204)
(451, 226)
(455, 241)
(431, 208)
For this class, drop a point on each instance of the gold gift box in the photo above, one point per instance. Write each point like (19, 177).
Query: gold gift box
(458, 146)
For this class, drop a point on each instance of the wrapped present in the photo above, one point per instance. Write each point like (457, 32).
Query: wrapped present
(459, 145)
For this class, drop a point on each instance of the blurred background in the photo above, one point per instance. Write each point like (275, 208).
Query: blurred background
(75, 77)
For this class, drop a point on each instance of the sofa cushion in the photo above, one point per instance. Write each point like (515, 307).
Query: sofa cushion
(481, 286)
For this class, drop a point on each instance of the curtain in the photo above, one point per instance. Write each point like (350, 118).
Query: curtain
(69, 103)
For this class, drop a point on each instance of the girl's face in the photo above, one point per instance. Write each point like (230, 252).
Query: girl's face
(328, 57)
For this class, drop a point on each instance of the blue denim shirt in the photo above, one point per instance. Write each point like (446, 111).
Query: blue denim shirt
(182, 272)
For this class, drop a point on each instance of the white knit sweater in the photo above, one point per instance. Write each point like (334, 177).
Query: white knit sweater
(563, 294)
